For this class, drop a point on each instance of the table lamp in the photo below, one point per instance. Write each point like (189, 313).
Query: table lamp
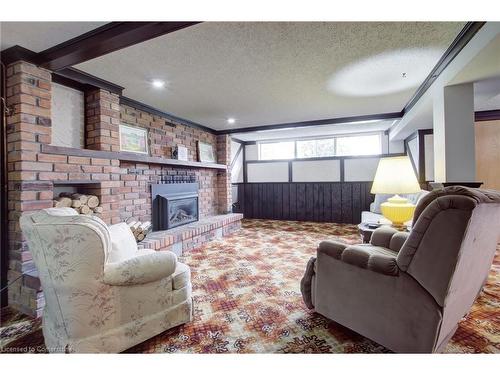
(395, 175)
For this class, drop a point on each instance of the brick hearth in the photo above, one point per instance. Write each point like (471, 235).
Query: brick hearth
(123, 186)
(191, 236)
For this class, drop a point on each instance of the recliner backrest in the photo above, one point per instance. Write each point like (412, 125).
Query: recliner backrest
(452, 243)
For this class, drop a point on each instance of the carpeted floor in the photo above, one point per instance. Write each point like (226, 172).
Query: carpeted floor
(247, 300)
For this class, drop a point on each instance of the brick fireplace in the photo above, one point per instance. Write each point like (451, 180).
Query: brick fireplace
(37, 169)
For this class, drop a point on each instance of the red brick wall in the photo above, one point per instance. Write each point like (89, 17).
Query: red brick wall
(102, 111)
(163, 136)
(122, 187)
(135, 193)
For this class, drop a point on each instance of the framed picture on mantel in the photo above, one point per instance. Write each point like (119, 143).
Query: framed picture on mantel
(206, 152)
(133, 139)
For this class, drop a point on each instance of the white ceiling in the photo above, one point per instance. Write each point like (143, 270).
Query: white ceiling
(478, 63)
(274, 72)
(38, 36)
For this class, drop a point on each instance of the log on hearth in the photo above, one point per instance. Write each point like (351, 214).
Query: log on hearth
(139, 229)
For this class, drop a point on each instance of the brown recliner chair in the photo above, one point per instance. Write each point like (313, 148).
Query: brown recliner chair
(408, 291)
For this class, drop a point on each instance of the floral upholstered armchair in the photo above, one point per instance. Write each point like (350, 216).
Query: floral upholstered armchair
(102, 293)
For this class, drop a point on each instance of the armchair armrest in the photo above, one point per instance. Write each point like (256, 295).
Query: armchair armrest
(382, 236)
(375, 258)
(332, 248)
(389, 238)
(140, 269)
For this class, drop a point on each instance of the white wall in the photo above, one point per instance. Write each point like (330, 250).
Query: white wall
(362, 169)
(252, 152)
(391, 147)
(316, 170)
(429, 157)
(414, 151)
(454, 141)
(68, 117)
(235, 146)
(237, 171)
(267, 172)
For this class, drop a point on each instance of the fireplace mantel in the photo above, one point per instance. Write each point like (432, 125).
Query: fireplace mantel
(128, 156)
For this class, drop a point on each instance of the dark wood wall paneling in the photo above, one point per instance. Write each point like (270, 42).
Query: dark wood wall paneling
(339, 202)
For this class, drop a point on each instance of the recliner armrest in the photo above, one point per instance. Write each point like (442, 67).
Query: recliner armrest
(389, 238)
(382, 236)
(332, 248)
(375, 258)
(140, 269)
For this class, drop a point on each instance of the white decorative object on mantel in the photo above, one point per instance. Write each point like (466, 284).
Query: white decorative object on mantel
(180, 153)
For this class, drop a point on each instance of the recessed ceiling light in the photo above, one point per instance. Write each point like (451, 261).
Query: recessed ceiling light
(231, 120)
(158, 83)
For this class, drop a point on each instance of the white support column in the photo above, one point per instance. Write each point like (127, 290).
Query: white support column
(454, 144)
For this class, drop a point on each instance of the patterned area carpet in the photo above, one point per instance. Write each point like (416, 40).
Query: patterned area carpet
(247, 300)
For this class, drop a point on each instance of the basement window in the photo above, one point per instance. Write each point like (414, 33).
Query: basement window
(344, 145)
(359, 145)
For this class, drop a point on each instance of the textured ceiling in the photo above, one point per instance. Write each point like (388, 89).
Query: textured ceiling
(38, 36)
(266, 73)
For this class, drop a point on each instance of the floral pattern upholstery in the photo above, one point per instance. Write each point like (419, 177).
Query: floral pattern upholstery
(84, 312)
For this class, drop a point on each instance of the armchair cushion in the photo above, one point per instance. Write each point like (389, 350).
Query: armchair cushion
(140, 269)
(123, 244)
(375, 258)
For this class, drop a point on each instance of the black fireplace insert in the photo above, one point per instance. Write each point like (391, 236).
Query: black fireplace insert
(174, 205)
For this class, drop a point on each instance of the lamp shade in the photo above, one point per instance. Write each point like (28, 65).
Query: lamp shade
(395, 175)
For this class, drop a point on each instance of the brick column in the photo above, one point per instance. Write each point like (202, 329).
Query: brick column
(28, 127)
(102, 110)
(224, 177)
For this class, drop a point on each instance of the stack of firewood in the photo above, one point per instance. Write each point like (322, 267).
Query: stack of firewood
(139, 229)
(82, 203)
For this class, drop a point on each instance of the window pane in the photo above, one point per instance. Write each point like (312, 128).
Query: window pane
(359, 145)
(325, 147)
(315, 148)
(306, 149)
(277, 150)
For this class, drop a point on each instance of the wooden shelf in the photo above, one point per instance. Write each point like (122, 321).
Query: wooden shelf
(76, 182)
(128, 156)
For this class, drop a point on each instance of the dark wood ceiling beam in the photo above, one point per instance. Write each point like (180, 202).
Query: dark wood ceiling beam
(103, 40)
(70, 76)
(303, 124)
